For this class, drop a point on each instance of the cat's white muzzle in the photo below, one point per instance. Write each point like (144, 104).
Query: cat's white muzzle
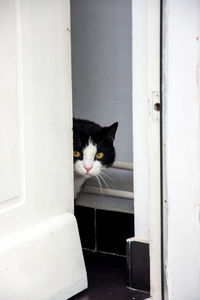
(94, 169)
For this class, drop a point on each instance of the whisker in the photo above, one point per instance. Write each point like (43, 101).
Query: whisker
(101, 177)
(106, 175)
(100, 185)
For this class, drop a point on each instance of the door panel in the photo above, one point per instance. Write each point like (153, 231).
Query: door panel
(36, 135)
(40, 250)
(9, 113)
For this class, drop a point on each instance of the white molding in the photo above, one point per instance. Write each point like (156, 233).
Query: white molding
(140, 117)
(43, 261)
(146, 131)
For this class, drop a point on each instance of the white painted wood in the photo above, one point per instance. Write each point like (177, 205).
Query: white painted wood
(146, 131)
(164, 173)
(140, 117)
(40, 251)
(43, 262)
(182, 147)
(10, 110)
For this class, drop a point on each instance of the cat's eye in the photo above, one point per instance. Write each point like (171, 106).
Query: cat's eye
(99, 155)
(77, 154)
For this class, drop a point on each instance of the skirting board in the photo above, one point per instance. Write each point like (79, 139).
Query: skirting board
(45, 262)
(138, 264)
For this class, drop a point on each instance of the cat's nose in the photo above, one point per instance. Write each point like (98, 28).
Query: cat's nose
(87, 168)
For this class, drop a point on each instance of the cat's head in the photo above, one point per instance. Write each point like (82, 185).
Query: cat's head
(93, 147)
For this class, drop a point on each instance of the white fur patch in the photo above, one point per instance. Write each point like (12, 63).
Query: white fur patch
(81, 173)
(89, 154)
(88, 161)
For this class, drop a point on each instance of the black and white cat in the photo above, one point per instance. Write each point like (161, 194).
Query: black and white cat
(93, 150)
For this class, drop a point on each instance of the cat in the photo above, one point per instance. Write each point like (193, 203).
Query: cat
(93, 150)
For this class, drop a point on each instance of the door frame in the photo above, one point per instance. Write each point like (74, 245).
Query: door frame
(181, 148)
(146, 16)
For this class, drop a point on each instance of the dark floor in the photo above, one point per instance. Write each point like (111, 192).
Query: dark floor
(107, 279)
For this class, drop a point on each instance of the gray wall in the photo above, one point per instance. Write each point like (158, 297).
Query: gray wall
(101, 65)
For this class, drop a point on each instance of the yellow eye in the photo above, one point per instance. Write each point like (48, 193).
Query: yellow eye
(99, 155)
(77, 154)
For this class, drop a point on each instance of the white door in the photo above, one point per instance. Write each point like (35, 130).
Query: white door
(40, 251)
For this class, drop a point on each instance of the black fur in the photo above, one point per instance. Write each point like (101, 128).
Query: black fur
(103, 137)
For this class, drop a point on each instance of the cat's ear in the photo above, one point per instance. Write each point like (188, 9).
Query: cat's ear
(111, 131)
